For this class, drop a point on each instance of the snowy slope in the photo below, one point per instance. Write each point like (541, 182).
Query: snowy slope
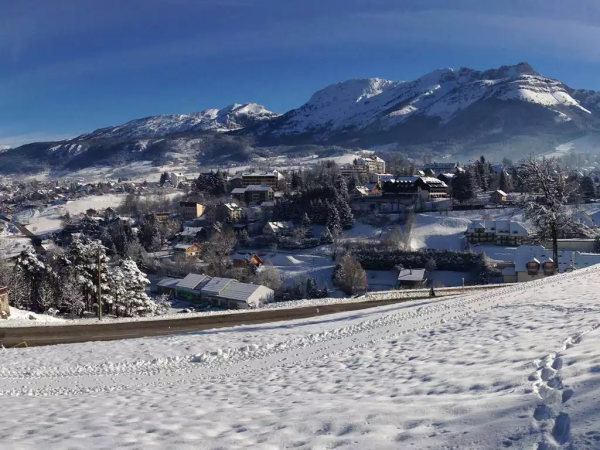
(232, 117)
(511, 368)
(358, 104)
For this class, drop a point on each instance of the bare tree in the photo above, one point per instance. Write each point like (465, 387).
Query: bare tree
(349, 276)
(545, 207)
(217, 251)
(394, 238)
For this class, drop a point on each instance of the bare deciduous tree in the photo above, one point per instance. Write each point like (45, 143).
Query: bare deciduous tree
(545, 207)
(217, 252)
(350, 277)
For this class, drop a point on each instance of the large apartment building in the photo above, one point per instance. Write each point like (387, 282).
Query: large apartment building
(271, 178)
(190, 210)
(498, 232)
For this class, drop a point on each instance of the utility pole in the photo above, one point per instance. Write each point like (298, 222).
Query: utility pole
(99, 286)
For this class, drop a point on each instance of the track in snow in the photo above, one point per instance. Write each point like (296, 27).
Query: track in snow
(233, 362)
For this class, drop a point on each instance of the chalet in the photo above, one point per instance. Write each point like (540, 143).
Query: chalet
(190, 210)
(497, 232)
(498, 197)
(408, 278)
(277, 228)
(193, 234)
(161, 216)
(183, 251)
(246, 259)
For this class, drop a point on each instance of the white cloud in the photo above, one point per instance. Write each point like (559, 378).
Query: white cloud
(21, 139)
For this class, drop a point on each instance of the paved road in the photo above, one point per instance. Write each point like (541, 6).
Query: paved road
(49, 335)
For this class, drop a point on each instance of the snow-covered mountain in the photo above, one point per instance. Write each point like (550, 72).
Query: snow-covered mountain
(360, 107)
(233, 117)
(509, 111)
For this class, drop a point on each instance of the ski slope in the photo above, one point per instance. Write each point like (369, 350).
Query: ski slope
(515, 367)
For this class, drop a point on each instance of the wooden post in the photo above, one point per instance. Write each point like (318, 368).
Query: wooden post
(99, 287)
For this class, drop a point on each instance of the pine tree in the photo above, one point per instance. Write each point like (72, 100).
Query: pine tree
(85, 256)
(587, 187)
(463, 186)
(505, 183)
(333, 218)
(307, 225)
(297, 291)
(312, 291)
(324, 292)
(128, 291)
(31, 270)
(326, 237)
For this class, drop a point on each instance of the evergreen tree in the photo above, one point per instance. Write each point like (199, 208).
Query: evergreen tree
(31, 270)
(85, 257)
(297, 291)
(345, 214)
(588, 188)
(333, 218)
(312, 291)
(463, 186)
(326, 237)
(149, 233)
(307, 225)
(505, 183)
(128, 290)
(324, 292)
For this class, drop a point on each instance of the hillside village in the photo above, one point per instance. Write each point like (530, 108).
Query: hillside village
(223, 240)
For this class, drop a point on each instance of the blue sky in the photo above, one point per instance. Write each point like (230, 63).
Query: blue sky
(70, 66)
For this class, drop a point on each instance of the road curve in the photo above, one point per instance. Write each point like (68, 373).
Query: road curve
(50, 335)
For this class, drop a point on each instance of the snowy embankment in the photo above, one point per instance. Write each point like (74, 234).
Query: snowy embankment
(24, 318)
(514, 367)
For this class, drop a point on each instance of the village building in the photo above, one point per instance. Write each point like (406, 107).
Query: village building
(498, 197)
(535, 262)
(191, 210)
(410, 278)
(497, 232)
(161, 216)
(228, 213)
(246, 259)
(271, 178)
(253, 194)
(277, 228)
(184, 251)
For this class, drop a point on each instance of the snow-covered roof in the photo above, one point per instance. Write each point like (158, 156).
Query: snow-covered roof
(216, 285)
(536, 253)
(191, 231)
(184, 247)
(238, 291)
(280, 226)
(502, 193)
(192, 280)
(499, 227)
(238, 191)
(232, 206)
(432, 180)
(257, 188)
(169, 282)
(411, 275)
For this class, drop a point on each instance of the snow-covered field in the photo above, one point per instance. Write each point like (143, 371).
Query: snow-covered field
(515, 367)
(48, 220)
